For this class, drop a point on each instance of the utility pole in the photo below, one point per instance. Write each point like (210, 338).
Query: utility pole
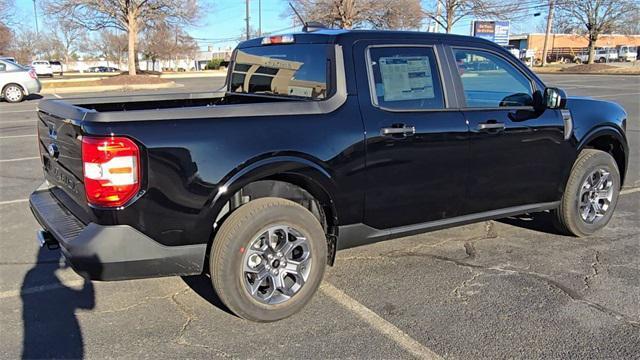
(35, 14)
(546, 35)
(247, 18)
(259, 17)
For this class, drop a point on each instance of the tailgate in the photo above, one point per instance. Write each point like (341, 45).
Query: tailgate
(60, 144)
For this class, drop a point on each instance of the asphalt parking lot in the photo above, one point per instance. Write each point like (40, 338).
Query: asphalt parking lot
(500, 289)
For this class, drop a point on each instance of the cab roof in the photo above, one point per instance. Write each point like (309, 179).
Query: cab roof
(345, 37)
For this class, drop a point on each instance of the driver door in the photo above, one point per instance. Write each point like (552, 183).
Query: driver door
(518, 156)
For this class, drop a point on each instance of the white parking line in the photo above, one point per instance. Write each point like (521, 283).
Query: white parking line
(614, 95)
(629, 191)
(17, 201)
(17, 121)
(20, 159)
(58, 96)
(19, 111)
(41, 288)
(383, 326)
(16, 136)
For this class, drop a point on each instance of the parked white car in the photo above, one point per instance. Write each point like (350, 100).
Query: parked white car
(17, 81)
(57, 67)
(42, 68)
(602, 55)
(627, 53)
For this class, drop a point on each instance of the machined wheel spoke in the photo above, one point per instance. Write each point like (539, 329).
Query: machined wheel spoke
(585, 211)
(260, 278)
(603, 177)
(278, 281)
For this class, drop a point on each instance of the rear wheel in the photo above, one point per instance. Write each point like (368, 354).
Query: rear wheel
(13, 93)
(268, 259)
(591, 194)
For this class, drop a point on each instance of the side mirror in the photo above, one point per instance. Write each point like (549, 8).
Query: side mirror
(554, 98)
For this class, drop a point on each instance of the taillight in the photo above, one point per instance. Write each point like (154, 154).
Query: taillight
(111, 167)
(33, 74)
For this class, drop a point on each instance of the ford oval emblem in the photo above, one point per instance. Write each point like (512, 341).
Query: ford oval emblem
(53, 150)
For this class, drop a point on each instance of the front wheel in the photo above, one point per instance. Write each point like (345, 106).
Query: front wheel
(268, 259)
(591, 194)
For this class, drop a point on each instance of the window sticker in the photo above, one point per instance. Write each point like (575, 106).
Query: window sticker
(406, 78)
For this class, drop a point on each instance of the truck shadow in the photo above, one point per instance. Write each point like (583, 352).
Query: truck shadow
(201, 285)
(540, 221)
(51, 329)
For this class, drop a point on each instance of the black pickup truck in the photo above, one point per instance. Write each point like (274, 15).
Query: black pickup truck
(319, 141)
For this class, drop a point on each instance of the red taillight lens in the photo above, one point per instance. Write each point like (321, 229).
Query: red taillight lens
(111, 167)
(33, 74)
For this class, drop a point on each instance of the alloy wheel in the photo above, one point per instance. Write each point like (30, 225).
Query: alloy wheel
(596, 194)
(276, 264)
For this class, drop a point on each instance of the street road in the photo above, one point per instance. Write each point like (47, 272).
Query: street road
(497, 289)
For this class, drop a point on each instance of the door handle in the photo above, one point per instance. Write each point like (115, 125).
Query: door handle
(404, 130)
(491, 126)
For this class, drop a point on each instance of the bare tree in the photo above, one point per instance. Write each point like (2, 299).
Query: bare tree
(112, 46)
(24, 46)
(347, 14)
(167, 43)
(447, 13)
(69, 35)
(130, 16)
(598, 17)
(7, 11)
(6, 38)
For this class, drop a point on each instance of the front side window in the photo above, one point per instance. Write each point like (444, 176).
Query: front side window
(3, 67)
(405, 78)
(489, 81)
(297, 71)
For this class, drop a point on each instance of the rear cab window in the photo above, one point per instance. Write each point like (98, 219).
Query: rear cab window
(405, 78)
(300, 71)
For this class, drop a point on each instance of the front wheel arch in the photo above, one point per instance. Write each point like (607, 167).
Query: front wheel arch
(611, 141)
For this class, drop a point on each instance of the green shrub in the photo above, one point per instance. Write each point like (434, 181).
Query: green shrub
(213, 64)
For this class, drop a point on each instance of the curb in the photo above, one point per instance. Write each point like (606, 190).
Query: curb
(78, 89)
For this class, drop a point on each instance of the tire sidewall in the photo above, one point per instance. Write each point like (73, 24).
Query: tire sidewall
(600, 160)
(230, 264)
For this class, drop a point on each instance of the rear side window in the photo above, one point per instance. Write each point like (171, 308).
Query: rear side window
(3, 67)
(489, 81)
(405, 78)
(297, 70)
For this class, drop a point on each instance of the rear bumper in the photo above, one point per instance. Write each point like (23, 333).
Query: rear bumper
(33, 87)
(115, 252)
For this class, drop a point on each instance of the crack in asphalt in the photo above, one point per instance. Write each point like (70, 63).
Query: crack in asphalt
(190, 316)
(594, 271)
(464, 284)
(573, 295)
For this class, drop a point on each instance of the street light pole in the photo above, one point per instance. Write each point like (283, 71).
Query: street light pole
(35, 14)
(548, 32)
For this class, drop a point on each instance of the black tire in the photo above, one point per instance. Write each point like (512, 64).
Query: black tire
(602, 60)
(238, 231)
(568, 220)
(17, 93)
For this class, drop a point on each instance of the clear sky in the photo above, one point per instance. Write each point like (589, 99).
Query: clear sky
(223, 23)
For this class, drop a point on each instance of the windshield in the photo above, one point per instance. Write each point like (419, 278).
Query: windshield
(299, 71)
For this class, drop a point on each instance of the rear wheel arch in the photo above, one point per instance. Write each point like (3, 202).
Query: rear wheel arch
(298, 181)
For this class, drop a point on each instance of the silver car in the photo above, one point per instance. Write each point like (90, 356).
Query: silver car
(17, 81)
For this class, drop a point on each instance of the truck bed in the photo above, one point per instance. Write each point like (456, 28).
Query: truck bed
(182, 106)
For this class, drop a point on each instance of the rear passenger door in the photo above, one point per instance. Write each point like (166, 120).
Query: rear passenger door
(416, 138)
(518, 154)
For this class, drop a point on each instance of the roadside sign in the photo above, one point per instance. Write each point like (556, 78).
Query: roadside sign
(496, 31)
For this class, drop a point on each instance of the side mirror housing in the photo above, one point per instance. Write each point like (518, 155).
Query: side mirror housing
(554, 98)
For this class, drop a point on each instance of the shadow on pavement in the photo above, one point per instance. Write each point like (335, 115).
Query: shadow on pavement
(541, 221)
(33, 97)
(51, 329)
(201, 285)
